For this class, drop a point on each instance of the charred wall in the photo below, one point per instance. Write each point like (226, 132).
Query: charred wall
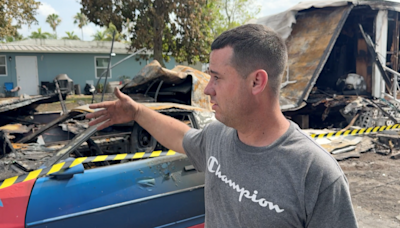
(349, 55)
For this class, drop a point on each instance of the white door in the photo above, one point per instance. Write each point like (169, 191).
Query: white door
(27, 75)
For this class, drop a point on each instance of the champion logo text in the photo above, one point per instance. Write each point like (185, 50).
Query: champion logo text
(214, 167)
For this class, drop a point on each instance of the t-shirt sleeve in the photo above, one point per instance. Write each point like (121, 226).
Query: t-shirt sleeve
(333, 208)
(195, 148)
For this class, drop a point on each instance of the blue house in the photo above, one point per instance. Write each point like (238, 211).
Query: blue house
(30, 63)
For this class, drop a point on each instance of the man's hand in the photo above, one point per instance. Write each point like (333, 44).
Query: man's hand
(119, 111)
(165, 129)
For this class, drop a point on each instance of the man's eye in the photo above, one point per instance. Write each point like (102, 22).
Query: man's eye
(216, 78)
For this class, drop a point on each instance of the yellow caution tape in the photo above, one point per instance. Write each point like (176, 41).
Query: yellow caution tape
(362, 131)
(69, 164)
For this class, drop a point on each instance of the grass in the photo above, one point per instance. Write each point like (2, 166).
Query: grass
(72, 101)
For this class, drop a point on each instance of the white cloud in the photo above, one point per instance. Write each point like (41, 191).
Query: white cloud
(46, 9)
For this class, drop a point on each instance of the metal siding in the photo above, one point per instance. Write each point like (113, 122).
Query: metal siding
(79, 67)
(11, 72)
(309, 46)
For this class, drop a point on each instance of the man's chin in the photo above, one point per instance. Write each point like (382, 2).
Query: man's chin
(220, 118)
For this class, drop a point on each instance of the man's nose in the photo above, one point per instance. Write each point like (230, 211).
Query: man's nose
(209, 90)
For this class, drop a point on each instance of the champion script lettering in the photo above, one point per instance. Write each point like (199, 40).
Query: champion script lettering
(214, 167)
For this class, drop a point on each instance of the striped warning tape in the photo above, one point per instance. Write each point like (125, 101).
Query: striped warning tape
(69, 164)
(363, 131)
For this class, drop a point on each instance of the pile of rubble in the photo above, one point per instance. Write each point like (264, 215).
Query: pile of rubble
(372, 127)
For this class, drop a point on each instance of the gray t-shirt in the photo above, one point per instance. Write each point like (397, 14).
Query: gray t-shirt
(291, 183)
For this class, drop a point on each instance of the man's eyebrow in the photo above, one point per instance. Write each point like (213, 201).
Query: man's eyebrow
(213, 72)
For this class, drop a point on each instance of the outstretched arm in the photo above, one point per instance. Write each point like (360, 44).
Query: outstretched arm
(165, 129)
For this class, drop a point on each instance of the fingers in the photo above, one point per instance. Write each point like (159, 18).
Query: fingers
(96, 114)
(104, 104)
(118, 93)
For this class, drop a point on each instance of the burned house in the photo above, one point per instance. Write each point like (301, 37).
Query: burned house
(343, 62)
(34, 139)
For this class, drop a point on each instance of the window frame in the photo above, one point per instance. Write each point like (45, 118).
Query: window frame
(5, 65)
(96, 67)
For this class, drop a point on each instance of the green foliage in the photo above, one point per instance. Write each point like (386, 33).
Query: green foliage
(107, 34)
(54, 20)
(100, 87)
(81, 20)
(16, 37)
(40, 35)
(99, 36)
(123, 77)
(180, 28)
(14, 13)
(233, 13)
(70, 36)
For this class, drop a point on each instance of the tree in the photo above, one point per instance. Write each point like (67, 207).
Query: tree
(234, 13)
(99, 36)
(40, 35)
(70, 36)
(179, 27)
(110, 31)
(81, 20)
(54, 21)
(16, 37)
(107, 34)
(14, 13)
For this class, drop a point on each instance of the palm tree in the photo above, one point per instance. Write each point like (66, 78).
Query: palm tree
(39, 34)
(107, 33)
(81, 20)
(70, 36)
(54, 21)
(99, 36)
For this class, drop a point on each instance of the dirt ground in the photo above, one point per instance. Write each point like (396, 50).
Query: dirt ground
(375, 189)
(374, 180)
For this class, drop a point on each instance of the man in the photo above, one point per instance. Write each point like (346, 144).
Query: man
(261, 169)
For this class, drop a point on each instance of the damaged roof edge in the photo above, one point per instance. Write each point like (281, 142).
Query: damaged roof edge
(381, 5)
(324, 58)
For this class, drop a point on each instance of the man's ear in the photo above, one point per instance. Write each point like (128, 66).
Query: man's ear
(260, 81)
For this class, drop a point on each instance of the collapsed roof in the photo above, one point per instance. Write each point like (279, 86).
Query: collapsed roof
(312, 31)
(182, 85)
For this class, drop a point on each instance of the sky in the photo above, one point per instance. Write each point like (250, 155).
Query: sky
(67, 9)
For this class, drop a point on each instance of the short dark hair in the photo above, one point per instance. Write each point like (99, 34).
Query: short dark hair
(255, 47)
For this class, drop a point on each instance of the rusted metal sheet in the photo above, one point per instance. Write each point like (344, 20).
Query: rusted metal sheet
(153, 76)
(7, 104)
(199, 83)
(309, 46)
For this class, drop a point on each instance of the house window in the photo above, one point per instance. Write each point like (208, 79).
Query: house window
(101, 64)
(3, 65)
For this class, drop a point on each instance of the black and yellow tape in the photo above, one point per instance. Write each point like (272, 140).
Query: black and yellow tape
(69, 164)
(362, 131)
